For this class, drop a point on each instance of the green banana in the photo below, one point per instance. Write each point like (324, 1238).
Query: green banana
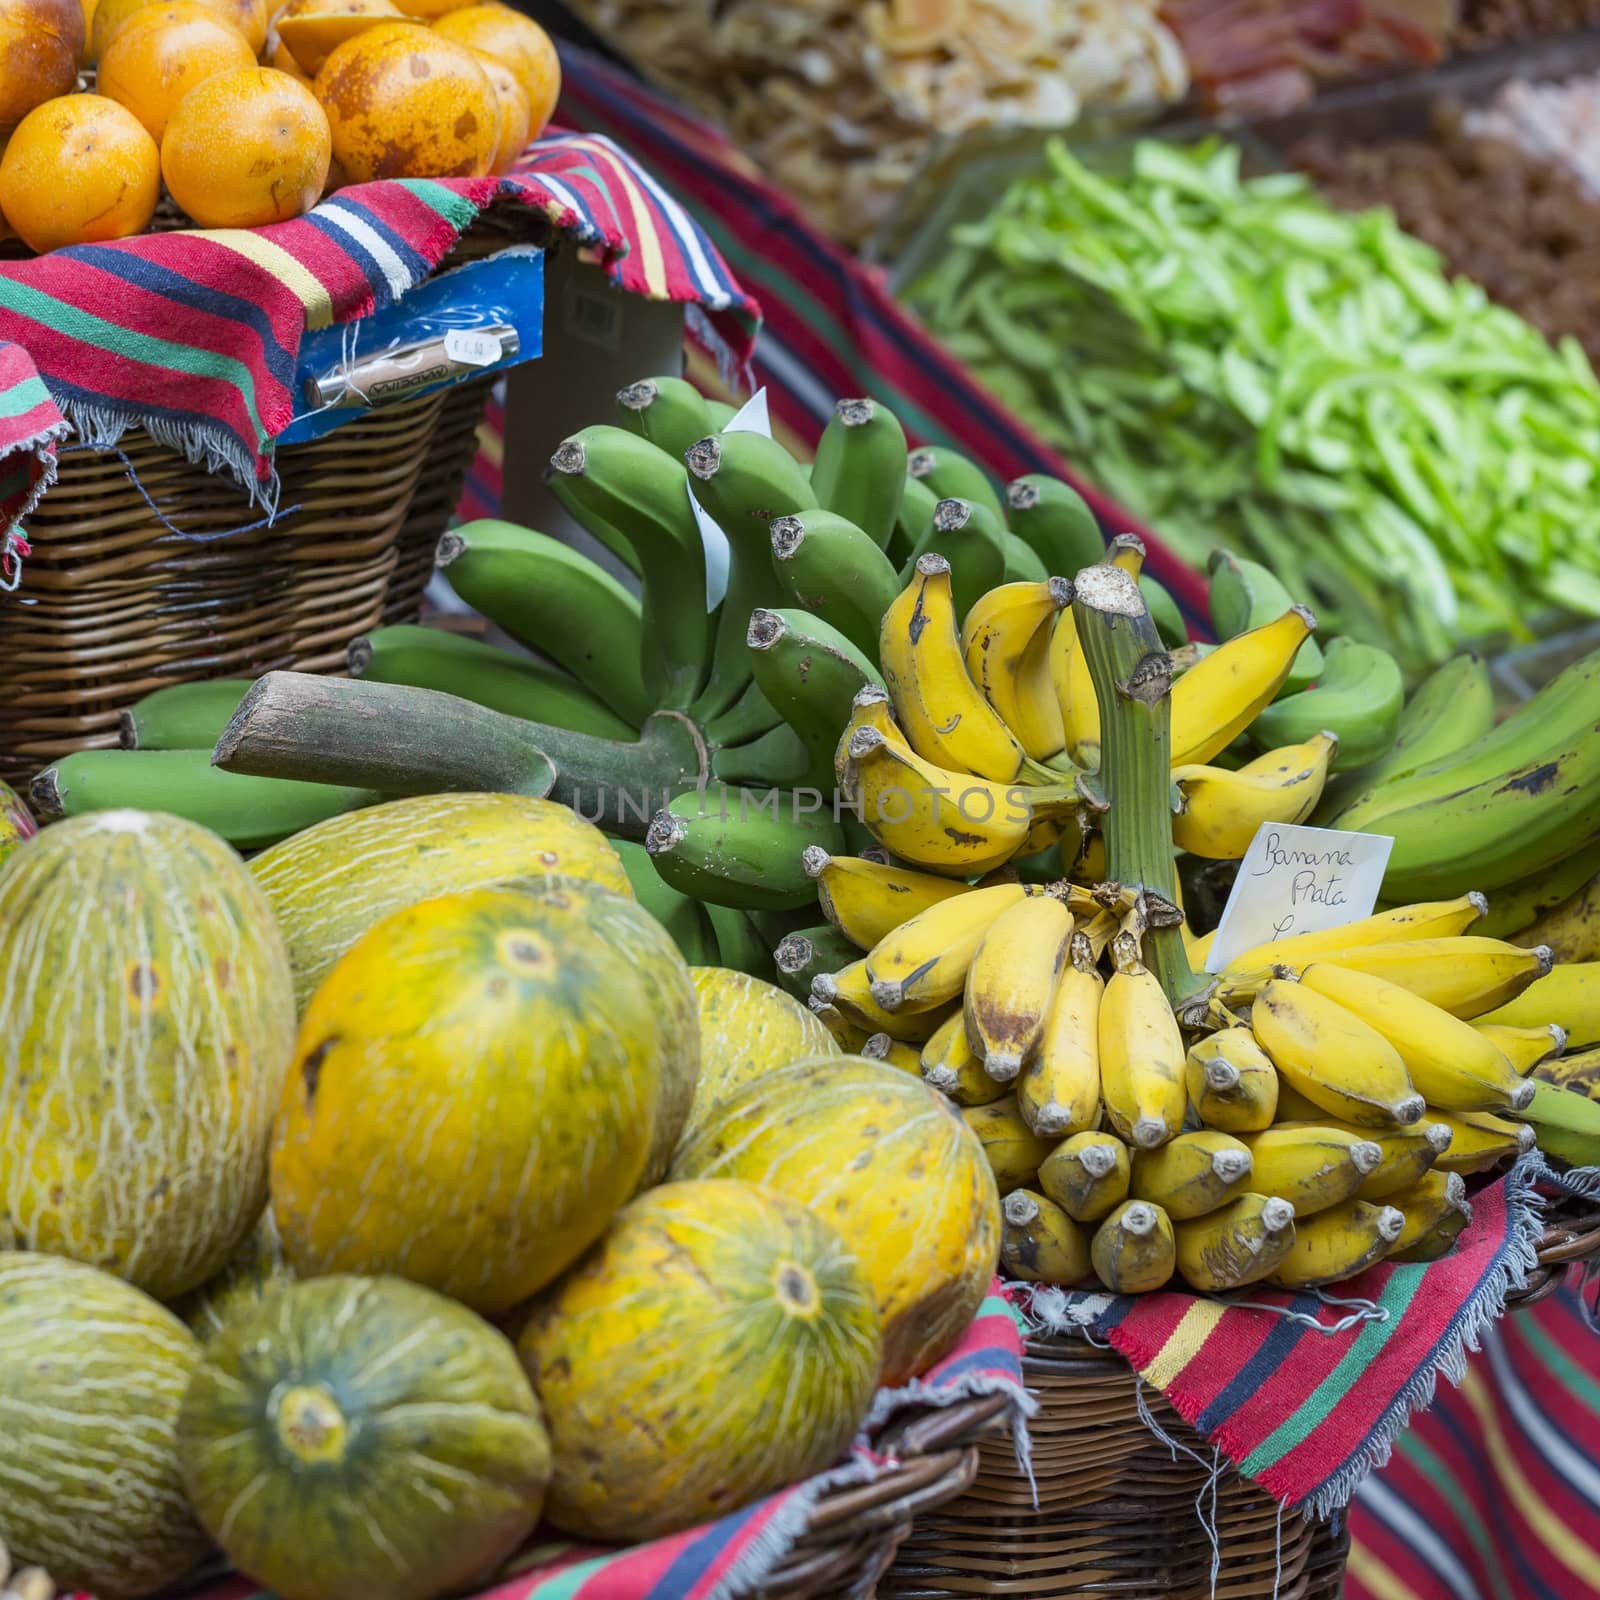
(832, 568)
(670, 412)
(1559, 714)
(684, 918)
(811, 672)
(808, 954)
(721, 414)
(972, 539)
(250, 813)
(1165, 614)
(917, 505)
(554, 600)
(1568, 1124)
(188, 716)
(1244, 595)
(431, 658)
(779, 759)
(608, 476)
(1056, 521)
(736, 847)
(952, 476)
(1022, 565)
(739, 946)
(859, 466)
(747, 718)
(1519, 905)
(1452, 706)
(1358, 697)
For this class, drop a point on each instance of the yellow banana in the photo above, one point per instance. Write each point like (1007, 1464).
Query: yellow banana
(871, 708)
(1407, 1154)
(1141, 1052)
(1223, 810)
(935, 700)
(849, 991)
(1040, 1243)
(1569, 995)
(895, 1052)
(1100, 930)
(1480, 1140)
(1087, 1175)
(1525, 1048)
(1236, 1244)
(1579, 1071)
(1133, 1249)
(1013, 980)
(1466, 976)
(1191, 1174)
(955, 1069)
(1426, 1203)
(867, 901)
(1231, 1081)
(1074, 691)
(1219, 697)
(1006, 644)
(1450, 1064)
(1198, 947)
(925, 960)
(1438, 1241)
(1312, 1165)
(1337, 1243)
(1332, 1057)
(1571, 929)
(1059, 1090)
(947, 822)
(851, 1036)
(1014, 1150)
(1432, 919)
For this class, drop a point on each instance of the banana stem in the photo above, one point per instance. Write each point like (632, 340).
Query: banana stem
(404, 740)
(1132, 677)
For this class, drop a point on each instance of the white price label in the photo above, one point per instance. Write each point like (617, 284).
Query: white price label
(751, 417)
(472, 349)
(1299, 880)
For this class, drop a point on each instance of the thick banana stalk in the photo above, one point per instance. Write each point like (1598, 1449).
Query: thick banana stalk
(1058, 1092)
(1141, 1053)
(1012, 982)
(1337, 1243)
(1087, 1175)
(1013, 1148)
(1232, 1082)
(860, 467)
(1133, 1250)
(1191, 1174)
(1312, 1165)
(1236, 1244)
(1040, 1243)
(867, 900)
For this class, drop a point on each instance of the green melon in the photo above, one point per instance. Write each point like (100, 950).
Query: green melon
(889, 1163)
(332, 882)
(253, 1271)
(475, 1093)
(363, 1437)
(719, 1344)
(92, 1376)
(147, 1022)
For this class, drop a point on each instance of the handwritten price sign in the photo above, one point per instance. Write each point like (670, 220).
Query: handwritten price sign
(1299, 880)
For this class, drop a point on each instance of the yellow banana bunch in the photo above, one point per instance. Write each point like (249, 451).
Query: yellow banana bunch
(1434, 919)
(1480, 1140)
(1141, 1052)
(925, 960)
(1014, 1150)
(866, 900)
(1425, 1205)
(1058, 1092)
(1337, 1243)
(1311, 1165)
(955, 1069)
(1039, 1242)
(1087, 1175)
(1133, 1250)
(1191, 1174)
(1236, 1244)
(1005, 642)
(1407, 1153)
(1223, 810)
(1013, 980)
(1231, 1081)
(1466, 976)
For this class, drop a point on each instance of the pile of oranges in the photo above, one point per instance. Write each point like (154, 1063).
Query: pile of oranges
(248, 118)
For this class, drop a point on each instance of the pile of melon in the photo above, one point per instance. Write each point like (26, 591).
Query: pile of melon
(368, 1205)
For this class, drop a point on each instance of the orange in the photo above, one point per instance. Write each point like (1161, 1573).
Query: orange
(518, 41)
(41, 42)
(162, 51)
(514, 113)
(403, 103)
(246, 148)
(312, 29)
(248, 16)
(79, 169)
(279, 59)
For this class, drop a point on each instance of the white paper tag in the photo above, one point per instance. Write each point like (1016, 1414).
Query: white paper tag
(472, 349)
(1299, 880)
(751, 417)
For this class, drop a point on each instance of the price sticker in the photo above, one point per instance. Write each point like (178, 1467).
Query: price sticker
(1299, 880)
(751, 417)
(472, 349)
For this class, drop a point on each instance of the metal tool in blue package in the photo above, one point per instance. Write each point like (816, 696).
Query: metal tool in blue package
(484, 316)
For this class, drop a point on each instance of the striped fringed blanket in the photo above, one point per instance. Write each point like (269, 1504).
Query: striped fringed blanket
(194, 336)
(1309, 1402)
(734, 1555)
(30, 428)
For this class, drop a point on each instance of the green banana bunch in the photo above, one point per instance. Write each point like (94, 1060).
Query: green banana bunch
(858, 469)
(188, 716)
(831, 567)
(951, 476)
(1358, 696)
(670, 412)
(1056, 521)
(917, 505)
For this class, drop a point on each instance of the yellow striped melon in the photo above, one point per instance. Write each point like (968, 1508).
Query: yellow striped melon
(333, 881)
(92, 1376)
(363, 1437)
(474, 1094)
(252, 1272)
(719, 1344)
(890, 1163)
(748, 1027)
(146, 1025)
(16, 822)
